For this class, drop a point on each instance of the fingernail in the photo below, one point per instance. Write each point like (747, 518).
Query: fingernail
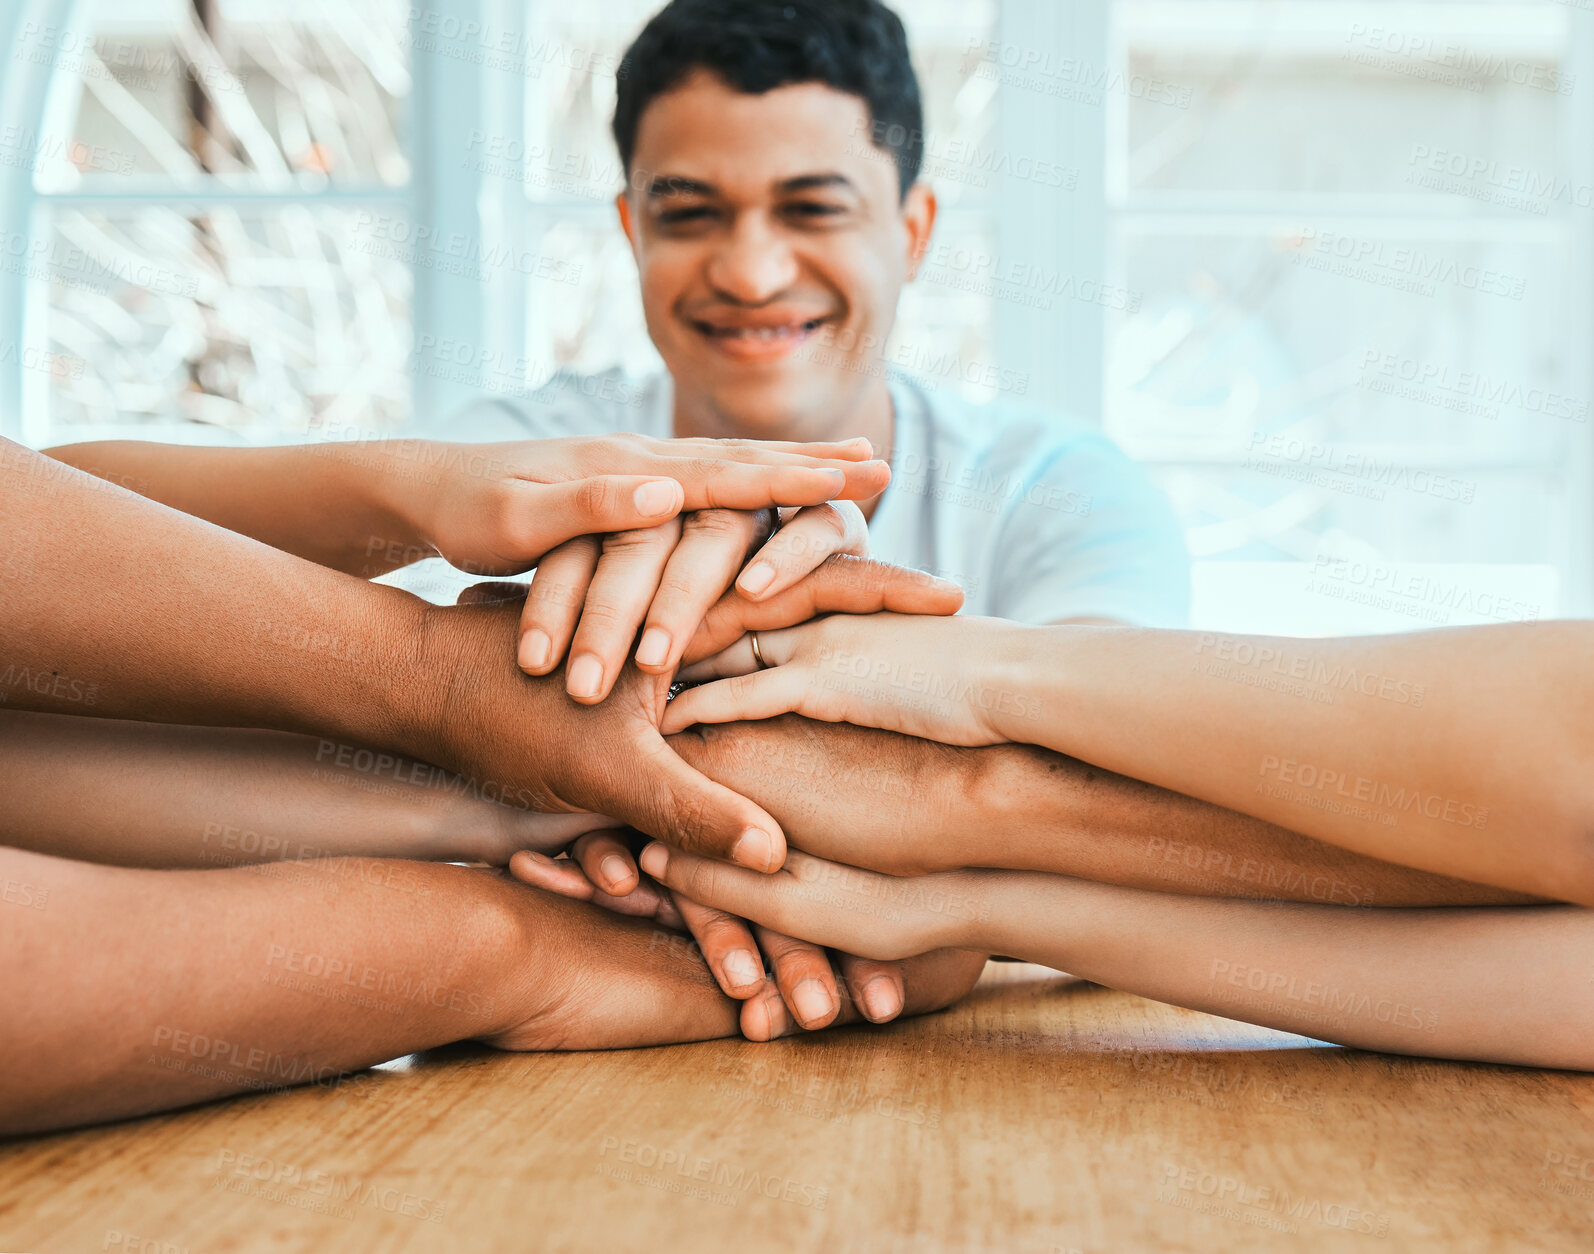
(838, 478)
(863, 440)
(655, 647)
(538, 858)
(756, 578)
(658, 497)
(534, 650)
(585, 676)
(742, 969)
(811, 1001)
(880, 998)
(754, 848)
(614, 870)
(655, 860)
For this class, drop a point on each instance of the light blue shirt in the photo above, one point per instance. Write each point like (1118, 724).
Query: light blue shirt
(1038, 517)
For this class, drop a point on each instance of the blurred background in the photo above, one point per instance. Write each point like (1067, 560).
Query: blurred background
(1324, 265)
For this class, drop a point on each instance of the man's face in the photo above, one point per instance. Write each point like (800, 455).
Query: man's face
(772, 240)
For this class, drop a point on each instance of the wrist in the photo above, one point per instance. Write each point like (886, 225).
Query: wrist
(1010, 704)
(398, 496)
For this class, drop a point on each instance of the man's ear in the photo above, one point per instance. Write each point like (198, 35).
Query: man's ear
(918, 216)
(622, 204)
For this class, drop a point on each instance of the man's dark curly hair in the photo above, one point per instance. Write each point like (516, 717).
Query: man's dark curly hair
(855, 46)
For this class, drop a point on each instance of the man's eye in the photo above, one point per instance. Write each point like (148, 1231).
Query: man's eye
(676, 217)
(814, 209)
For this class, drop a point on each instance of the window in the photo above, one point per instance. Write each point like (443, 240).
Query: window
(1323, 264)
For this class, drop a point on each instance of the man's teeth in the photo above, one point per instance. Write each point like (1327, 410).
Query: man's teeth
(764, 333)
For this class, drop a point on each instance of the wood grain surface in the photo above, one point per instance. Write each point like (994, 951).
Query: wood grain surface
(1041, 1114)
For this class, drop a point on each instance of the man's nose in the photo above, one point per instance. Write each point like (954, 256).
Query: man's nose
(753, 264)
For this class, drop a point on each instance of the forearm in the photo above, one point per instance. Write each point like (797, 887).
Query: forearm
(1461, 751)
(1029, 809)
(904, 806)
(113, 605)
(1504, 984)
(343, 505)
(205, 797)
(133, 991)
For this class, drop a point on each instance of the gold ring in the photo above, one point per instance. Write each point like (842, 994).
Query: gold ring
(758, 653)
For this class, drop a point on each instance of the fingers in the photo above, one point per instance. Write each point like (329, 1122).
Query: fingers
(841, 584)
(744, 698)
(876, 988)
(728, 947)
(713, 547)
(622, 589)
(565, 878)
(770, 452)
(536, 517)
(764, 1015)
(542, 833)
(676, 803)
(811, 536)
(717, 484)
(558, 591)
(804, 976)
(607, 862)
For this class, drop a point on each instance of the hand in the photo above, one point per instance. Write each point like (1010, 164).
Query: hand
(664, 579)
(496, 509)
(876, 799)
(924, 982)
(828, 903)
(804, 981)
(937, 678)
(467, 707)
(580, 978)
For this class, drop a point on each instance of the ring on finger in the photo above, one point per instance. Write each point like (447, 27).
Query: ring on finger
(758, 654)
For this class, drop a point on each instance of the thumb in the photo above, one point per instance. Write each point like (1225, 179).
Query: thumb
(677, 804)
(580, 507)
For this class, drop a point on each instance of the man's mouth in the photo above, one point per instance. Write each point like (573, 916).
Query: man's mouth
(757, 341)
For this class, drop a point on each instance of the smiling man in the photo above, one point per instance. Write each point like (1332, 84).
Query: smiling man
(773, 204)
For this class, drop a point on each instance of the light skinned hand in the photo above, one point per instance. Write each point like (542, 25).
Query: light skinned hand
(592, 594)
(934, 677)
(497, 509)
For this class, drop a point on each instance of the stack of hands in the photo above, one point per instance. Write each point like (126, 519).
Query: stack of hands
(610, 626)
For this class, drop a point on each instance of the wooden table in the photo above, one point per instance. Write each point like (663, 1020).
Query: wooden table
(1042, 1114)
